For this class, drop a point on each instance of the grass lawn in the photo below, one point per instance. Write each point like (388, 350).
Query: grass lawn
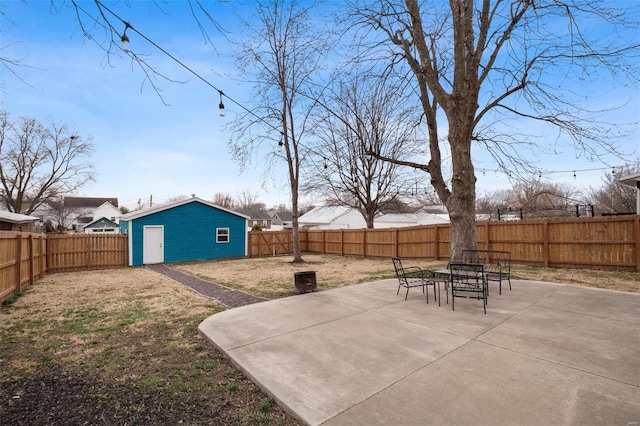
(120, 346)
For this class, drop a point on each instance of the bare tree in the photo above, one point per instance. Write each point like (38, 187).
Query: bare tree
(536, 198)
(363, 115)
(63, 216)
(612, 197)
(40, 163)
(249, 200)
(476, 64)
(283, 56)
(224, 199)
(488, 203)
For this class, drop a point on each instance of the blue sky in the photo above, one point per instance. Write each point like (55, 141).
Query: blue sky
(145, 148)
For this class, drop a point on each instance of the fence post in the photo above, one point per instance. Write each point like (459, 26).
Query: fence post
(31, 254)
(342, 242)
(88, 250)
(487, 243)
(545, 243)
(18, 271)
(48, 242)
(364, 242)
(636, 226)
(395, 243)
(41, 260)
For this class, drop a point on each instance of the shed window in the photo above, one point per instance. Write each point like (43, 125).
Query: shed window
(222, 235)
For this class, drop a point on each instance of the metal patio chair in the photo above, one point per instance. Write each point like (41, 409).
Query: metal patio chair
(468, 280)
(414, 276)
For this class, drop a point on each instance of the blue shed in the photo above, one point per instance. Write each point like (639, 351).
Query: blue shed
(191, 229)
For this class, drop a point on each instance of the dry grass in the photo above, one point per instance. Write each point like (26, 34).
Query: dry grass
(119, 346)
(273, 276)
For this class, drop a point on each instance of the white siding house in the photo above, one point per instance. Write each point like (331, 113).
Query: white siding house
(340, 217)
(332, 217)
(107, 210)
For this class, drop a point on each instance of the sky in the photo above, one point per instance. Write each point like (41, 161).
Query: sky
(148, 148)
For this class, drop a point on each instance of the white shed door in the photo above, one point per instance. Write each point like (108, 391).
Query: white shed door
(153, 244)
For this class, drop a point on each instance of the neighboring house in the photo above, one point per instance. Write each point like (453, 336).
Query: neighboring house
(332, 217)
(395, 220)
(281, 220)
(341, 217)
(102, 226)
(17, 222)
(399, 220)
(257, 217)
(76, 212)
(82, 210)
(426, 218)
(634, 182)
(185, 230)
(108, 210)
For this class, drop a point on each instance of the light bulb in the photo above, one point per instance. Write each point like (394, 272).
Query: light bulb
(125, 43)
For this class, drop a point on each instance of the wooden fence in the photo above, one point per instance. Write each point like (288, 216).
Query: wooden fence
(611, 242)
(599, 243)
(25, 257)
(22, 260)
(71, 252)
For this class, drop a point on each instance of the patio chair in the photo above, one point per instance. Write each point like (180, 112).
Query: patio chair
(468, 280)
(414, 276)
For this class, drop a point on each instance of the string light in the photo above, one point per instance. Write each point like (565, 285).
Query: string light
(221, 106)
(556, 172)
(126, 47)
(125, 40)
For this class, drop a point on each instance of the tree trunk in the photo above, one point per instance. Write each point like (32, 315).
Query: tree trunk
(297, 253)
(461, 202)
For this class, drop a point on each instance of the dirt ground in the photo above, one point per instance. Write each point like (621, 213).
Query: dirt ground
(121, 346)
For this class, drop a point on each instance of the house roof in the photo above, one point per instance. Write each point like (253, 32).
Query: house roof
(631, 180)
(254, 214)
(16, 217)
(161, 207)
(409, 218)
(284, 216)
(432, 218)
(87, 202)
(104, 220)
(323, 214)
(107, 203)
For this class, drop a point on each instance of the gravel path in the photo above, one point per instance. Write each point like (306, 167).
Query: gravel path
(225, 295)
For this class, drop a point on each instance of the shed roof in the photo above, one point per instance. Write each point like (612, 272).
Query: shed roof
(162, 207)
(16, 217)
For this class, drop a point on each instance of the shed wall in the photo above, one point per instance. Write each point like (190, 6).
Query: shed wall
(190, 233)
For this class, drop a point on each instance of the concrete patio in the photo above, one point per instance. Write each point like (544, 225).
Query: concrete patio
(544, 354)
